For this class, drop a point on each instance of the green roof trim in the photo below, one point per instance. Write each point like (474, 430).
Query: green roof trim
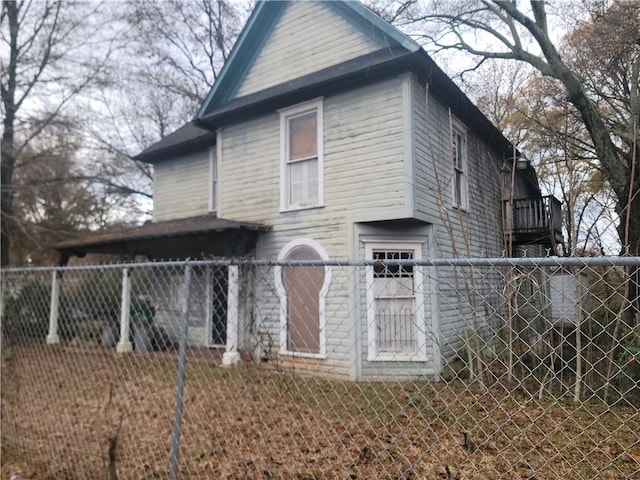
(261, 23)
(372, 25)
(244, 52)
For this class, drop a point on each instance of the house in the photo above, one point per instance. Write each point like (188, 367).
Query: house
(329, 134)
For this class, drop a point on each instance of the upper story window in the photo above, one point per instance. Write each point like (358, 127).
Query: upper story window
(301, 165)
(460, 183)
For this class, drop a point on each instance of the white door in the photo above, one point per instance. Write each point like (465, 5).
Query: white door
(395, 303)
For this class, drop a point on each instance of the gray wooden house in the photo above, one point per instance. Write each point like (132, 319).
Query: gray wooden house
(329, 134)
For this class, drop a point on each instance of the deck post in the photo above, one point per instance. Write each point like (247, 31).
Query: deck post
(124, 344)
(231, 356)
(54, 310)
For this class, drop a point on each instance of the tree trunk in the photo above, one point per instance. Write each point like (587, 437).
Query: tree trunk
(619, 176)
(6, 199)
(7, 144)
(631, 236)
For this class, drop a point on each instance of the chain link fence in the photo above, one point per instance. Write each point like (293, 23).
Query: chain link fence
(390, 368)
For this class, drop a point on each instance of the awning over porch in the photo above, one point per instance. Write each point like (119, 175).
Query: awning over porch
(194, 237)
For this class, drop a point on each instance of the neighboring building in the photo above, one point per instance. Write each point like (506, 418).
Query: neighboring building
(329, 134)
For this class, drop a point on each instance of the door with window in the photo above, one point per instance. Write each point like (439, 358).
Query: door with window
(395, 304)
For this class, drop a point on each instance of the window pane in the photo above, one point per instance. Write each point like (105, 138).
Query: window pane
(457, 149)
(296, 183)
(303, 136)
(214, 181)
(312, 181)
(392, 271)
(303, 182)
(459, 186)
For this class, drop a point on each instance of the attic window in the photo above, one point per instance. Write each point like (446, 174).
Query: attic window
(301, 156)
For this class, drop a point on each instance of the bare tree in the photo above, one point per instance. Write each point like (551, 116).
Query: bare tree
(180, 47)
(499, 29)
(534, 113)
(173, 54)
(49, 57)
(53, 200)
(119, 76)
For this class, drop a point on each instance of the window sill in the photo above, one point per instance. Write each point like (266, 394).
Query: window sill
(396, 297)
(401, 357)
(460, 208)
(317, 356)
(297, 209)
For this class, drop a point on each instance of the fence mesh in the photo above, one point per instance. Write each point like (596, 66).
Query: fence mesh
(392, 368)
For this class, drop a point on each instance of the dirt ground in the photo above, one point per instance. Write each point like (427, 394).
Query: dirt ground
(62, 405)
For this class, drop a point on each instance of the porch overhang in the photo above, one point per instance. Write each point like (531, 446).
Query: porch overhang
(194, 237)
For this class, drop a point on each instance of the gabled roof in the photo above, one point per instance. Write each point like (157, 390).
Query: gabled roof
(401, 54)
(261, 23)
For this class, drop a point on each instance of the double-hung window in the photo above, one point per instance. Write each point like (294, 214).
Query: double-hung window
(301, 172)
(460, 184)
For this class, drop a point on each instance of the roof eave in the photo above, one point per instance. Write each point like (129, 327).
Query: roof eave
(176, 149)
(146, 231)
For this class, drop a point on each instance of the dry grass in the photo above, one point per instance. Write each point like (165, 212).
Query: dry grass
(60, 405)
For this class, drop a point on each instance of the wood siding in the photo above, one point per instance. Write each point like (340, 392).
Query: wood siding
(397, 370)
(363, 139)
(308, 37)
(464, 295)
(366, 150)
(363, 176)
(181, 187)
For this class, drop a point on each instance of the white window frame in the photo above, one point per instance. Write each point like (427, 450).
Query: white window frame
(285, 115)
(213, 180)
(282, 295)
(463, 203)
(418, 276)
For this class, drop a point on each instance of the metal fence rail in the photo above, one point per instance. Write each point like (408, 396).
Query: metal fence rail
(390, 368)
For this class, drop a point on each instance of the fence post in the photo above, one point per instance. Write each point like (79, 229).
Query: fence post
(182, 361)
(231, 356)
(54, 310)
(124, 344)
